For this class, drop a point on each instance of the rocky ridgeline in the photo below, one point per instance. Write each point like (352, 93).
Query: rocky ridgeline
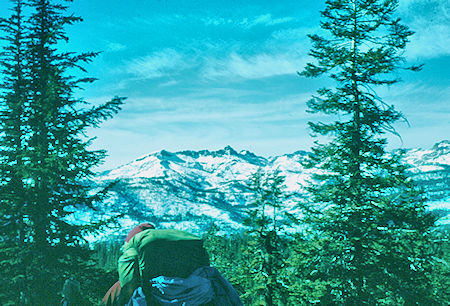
(192, 189)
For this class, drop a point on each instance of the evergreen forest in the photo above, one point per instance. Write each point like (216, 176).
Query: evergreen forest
(364, 237)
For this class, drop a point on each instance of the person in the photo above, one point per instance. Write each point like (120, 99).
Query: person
(169, 267)
(111, 297)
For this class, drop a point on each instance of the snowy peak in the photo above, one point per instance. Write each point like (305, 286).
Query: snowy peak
(192, 189)
(164, 164)
(440, 153)
(443, 147)
(435, 159)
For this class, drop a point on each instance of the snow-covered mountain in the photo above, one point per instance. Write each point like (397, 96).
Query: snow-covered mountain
(431, 170)
(192, 189)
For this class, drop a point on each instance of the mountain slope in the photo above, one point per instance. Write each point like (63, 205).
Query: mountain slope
(192, 189)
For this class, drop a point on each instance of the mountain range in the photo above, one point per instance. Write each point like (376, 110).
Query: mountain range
(190, 190)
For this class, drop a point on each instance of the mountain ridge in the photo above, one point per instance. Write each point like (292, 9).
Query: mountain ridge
(190, 190)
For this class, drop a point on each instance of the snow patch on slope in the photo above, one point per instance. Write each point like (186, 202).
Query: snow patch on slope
(193, 189)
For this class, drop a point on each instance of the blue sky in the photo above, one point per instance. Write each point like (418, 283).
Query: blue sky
(203, 74)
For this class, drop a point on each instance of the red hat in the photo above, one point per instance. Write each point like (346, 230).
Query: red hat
(141, 227)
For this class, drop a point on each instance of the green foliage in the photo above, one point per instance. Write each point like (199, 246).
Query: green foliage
(254, 261)
(306, 287)
(265, 251)
(441, 260)
(226, 253)
(373, 231)
(107, 254)
(44, 156)
(12, 104)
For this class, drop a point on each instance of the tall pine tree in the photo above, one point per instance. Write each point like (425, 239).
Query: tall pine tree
(45, 156)
(14, 107)
(372, 223)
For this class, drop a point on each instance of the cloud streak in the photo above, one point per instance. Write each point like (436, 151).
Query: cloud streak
(430, 20)
(253, 67)
(430, 43)
(157, 64)
(156, 111)
(115, 47)
(248, 23)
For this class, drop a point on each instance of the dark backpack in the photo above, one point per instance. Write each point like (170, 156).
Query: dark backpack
(206, 286)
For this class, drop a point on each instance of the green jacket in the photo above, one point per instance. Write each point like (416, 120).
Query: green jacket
(154, 252)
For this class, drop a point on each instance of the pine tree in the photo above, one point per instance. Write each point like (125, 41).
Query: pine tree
(14, 106)
(45, 157)
(225, 252)
(265, 250)
(371, 222)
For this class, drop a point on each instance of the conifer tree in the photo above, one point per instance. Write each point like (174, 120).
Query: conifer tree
(45, 157)
(226, 253)
(264, 252)
(14, 107)
(371, 222)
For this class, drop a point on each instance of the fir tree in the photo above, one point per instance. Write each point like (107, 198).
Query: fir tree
(226, 253)
(14, 107)
(265, 250)
(372, 223)
(45, 157)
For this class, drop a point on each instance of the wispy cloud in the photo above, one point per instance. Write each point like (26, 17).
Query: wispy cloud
(254, 67)
(115, 46)
(211, 110)
(418, 97)
(265, 20)
(246, 22)
(430, 20)
(430, 40)
(157, 64)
